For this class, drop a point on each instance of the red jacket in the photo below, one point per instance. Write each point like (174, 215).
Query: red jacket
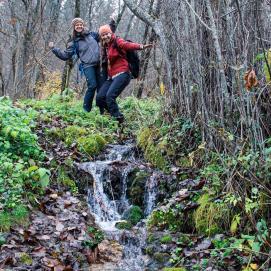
(116, 61)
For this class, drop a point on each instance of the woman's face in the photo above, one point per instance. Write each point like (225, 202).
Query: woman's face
(106, 37)
(79, 27)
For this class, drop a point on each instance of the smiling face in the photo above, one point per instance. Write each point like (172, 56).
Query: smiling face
(106, 37)
(79, 27)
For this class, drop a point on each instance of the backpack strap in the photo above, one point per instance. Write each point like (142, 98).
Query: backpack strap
(115, 45)
(76, 47)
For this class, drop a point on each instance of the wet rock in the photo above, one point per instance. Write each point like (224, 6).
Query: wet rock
(161, 257)
(110, 251)
(136, 186)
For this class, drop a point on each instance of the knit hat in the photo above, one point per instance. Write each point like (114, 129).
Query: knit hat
(105, 29)
(77, 20)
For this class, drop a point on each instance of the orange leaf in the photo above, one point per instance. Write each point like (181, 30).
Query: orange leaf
(250, 79)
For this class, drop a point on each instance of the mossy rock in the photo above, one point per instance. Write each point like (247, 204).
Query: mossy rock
(166, 148)
(124, 225)
(91, 145)
(161, 257)
(143, 138)
(166, 239)
(154, 155)
(151, 238)
(72, 133)
(210, 217)
(55, 133)
(136, 187)
(134, 214)
(149, 250)
(71, 185)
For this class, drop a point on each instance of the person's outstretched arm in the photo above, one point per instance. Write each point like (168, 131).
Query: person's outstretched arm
(129, 46)
(63, 55)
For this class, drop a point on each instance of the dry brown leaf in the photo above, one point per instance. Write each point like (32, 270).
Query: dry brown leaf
(250, 79)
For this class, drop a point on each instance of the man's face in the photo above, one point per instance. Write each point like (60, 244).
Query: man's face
(106, 37)
(79, 27)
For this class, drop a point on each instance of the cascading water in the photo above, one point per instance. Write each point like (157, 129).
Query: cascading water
(108, 201)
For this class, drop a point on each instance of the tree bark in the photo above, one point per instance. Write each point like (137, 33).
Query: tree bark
(66, 74)
(158, 28)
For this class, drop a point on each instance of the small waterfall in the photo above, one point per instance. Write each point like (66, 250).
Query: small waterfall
(108, 201)
(150, 193)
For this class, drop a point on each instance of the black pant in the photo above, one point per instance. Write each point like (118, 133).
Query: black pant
(108, 93)
(95, 79)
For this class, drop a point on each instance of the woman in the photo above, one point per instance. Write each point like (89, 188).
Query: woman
(118, 70)
(84, 43)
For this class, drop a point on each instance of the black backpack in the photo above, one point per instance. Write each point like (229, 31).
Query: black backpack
(132, 58)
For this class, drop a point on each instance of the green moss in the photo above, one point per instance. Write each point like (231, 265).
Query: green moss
(136, 187)
(143, 138)
(64, 179)
(150, 238)
(165, 147)
(134, 214)
(20, 214)
(124, 225)
(149, 250)
(26, 259)
(161, 257)
(183, 162)
(5, 221)
(166, 239)
(71, 185)
(54, 133)
(154, 155)
(210, 216)
(91, 145)
(72, 133)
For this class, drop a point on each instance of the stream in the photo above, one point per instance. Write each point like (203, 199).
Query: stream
(108, 199)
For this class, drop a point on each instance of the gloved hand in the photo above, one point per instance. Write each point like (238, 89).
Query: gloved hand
(51, 45)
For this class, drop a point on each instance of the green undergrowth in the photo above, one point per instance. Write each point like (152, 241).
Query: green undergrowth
(24, 175)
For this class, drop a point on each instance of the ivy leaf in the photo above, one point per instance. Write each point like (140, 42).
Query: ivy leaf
(234, 224)
(44, 175)
(256, 247)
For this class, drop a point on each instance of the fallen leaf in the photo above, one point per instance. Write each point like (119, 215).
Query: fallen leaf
(67, 203)
(250, 79)
(59, 226)
(254, 266)
(50, 262)
(44, 237)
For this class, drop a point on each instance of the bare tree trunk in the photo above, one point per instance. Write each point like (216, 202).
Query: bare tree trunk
(69, 63)
(222, 82)
(158, 27)
(147, 53)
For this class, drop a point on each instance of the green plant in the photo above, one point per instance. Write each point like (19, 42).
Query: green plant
(134, 214)
(166, 239)
(93, 238)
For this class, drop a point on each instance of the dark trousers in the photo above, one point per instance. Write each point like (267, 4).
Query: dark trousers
(108, 93)
(95, 79)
